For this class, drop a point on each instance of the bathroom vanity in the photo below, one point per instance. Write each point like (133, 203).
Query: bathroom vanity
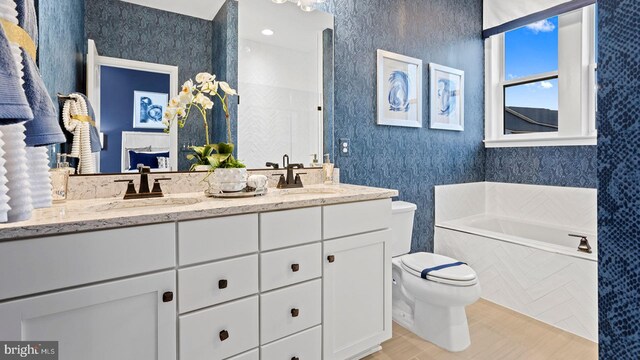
(291, 275)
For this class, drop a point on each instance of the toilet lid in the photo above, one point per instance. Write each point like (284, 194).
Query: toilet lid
(461, 275)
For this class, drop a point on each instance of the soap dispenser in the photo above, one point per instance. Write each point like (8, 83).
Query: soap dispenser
(60, 178)
(327, 170)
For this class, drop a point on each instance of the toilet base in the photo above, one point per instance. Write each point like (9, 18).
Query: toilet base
(446, 327)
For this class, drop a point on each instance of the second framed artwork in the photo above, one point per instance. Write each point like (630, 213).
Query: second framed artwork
(446, 98)
(399, 90)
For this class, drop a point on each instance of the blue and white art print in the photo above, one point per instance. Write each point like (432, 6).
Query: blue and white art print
(148, 108)
(447, 98)
(399, 90)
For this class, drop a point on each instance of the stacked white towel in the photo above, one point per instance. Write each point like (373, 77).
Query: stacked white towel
(81, 130)
(4, 198)
(15, 154)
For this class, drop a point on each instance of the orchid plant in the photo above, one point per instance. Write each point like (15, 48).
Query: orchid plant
(198, 97)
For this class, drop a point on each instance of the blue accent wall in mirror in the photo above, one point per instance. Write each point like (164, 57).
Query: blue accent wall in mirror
(117, 87)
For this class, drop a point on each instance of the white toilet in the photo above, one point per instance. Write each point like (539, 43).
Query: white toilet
(432, 308)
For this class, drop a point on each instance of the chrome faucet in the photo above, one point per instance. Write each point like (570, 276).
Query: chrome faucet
(584, 243)
(143, 191)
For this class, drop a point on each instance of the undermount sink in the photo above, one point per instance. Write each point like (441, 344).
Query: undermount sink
(310, 191)
(145, 203)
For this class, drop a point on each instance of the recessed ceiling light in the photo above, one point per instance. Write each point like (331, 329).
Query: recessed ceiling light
(267, 32)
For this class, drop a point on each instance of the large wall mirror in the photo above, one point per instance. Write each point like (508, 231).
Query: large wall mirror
(137, 53)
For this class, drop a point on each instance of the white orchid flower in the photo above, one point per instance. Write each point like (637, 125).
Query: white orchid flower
(169, 113)
(207, 103)
(181, 112)
(204, 77)
(185, 98)
(210, 87)
(187, 87)
(227, 89)
(175, 101)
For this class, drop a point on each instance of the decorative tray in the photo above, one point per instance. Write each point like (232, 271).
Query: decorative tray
(247, 192)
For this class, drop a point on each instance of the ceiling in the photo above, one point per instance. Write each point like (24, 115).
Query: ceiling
(203, 9)
(292, 27)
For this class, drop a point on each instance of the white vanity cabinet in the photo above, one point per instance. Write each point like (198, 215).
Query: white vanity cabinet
(357, 279)
(86, 291)
(306, 283)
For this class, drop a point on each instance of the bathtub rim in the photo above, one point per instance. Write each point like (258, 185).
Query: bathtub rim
(461, 225)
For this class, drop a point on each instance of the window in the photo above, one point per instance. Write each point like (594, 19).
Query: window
(540, 86)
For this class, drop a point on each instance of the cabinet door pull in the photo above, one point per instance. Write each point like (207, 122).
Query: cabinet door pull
(295, 358)
(222, 284)
(331, 258)
(295, 312)
(224, 335)
(295, 267)
(167, 297)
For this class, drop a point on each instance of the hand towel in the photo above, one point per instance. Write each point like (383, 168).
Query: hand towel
(44, 129)
(14, 106)
(81, 146)
(95, 135)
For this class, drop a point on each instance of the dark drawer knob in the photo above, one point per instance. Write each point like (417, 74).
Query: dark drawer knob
(331, 258)
(295, 312)
(222, 284)
(167, 297)
(224, 335)
(295, 358)
(295, 267)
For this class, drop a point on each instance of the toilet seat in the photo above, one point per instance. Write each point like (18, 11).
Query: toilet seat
(461, 275)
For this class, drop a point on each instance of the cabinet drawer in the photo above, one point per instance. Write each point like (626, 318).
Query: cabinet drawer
(249, 355)
(355, 218)
(210, 284)
(54, 262)
(284, 312)
(290, 266)
(280, 229)
(217, 238)
(220, 332)
(305, 345)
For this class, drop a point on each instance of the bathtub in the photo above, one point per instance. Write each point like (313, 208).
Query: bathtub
(524, 262)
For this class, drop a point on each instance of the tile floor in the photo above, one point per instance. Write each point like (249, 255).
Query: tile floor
(496, 333)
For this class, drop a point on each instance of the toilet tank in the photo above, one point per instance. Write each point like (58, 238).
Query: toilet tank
(401, 227)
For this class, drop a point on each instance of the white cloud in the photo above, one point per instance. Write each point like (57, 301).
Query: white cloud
(541, 26)
(546, 84)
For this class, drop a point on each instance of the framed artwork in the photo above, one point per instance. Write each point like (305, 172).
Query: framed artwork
(148, 108)
(446, 98)
(399, 90)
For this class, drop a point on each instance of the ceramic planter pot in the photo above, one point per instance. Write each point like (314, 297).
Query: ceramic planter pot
(228, 180)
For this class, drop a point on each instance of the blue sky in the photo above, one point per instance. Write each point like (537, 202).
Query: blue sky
(531, 50)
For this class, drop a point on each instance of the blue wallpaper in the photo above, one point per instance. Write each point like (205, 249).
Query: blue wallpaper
(61, 56)
(116, 101)
(134, 32)
(574, 166)
(225, 66)
(408, 159)
(619, 179)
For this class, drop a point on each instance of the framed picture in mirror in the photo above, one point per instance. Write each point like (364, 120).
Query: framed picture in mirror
(148, 108)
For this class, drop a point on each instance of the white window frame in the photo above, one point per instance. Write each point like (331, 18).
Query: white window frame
(576, 75)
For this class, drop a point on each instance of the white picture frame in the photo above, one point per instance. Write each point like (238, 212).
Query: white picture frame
(152, 118)
(446, 98)
(399, 90)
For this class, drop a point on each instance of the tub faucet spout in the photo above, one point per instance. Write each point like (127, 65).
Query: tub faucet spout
(584, 243)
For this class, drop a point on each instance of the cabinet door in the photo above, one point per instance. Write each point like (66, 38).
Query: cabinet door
(125, 320)
(357, 294)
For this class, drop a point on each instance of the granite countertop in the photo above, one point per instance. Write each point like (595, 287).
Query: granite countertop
(95, 214)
